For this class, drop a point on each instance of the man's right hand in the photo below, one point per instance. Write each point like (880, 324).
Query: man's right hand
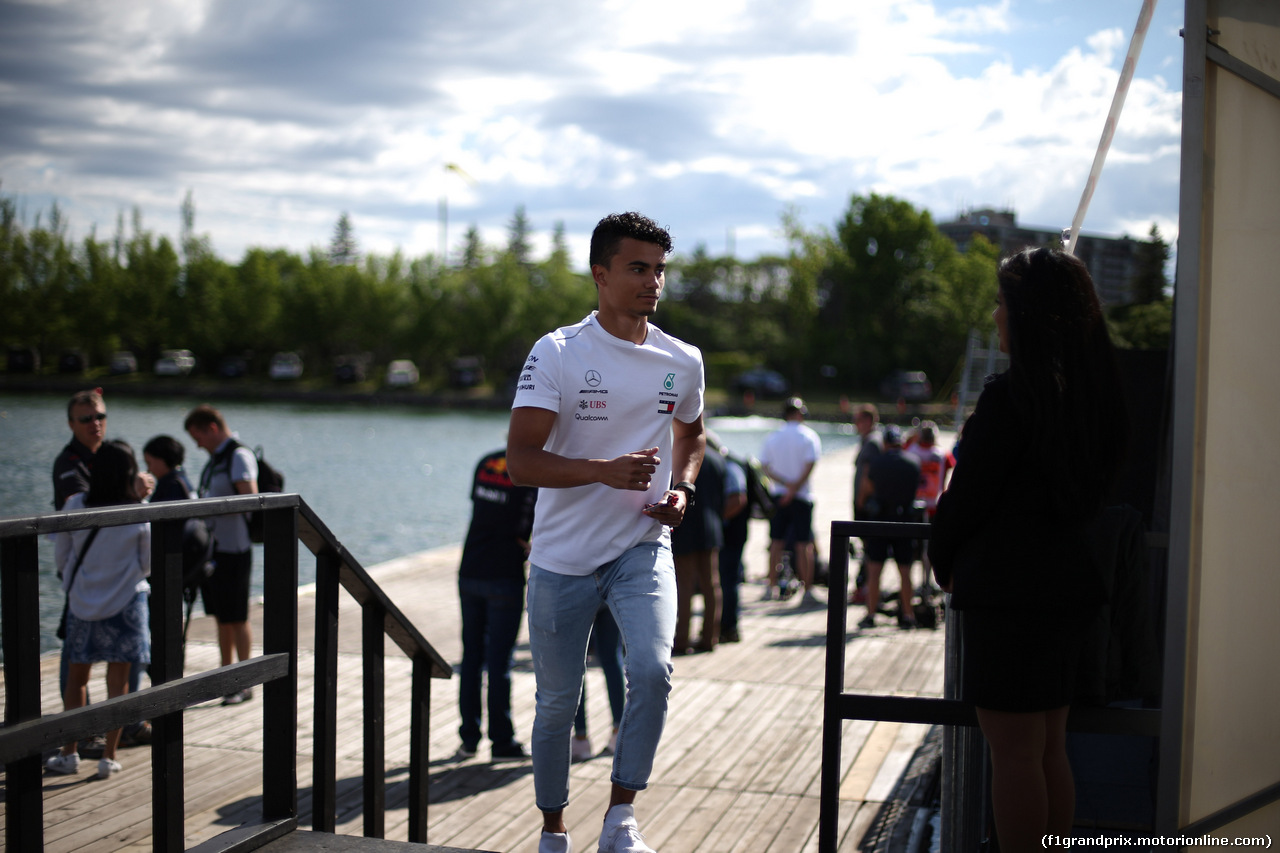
(631, 471)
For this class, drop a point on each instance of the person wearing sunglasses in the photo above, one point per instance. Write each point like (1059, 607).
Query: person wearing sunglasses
(87, 417)
(72, 471)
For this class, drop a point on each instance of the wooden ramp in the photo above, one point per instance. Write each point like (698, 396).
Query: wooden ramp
(738, 768)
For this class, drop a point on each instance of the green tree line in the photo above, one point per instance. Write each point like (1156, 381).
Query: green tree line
(881, 290)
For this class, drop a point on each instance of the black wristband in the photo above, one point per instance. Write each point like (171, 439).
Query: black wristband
(689, 489)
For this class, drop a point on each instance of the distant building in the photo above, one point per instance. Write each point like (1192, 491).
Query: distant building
(1112, 261)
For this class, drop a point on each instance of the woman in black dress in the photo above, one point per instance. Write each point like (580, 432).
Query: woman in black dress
(1010, 541)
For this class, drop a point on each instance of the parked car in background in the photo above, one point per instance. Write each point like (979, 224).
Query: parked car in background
(175, 362)
(910, 385)
(402, 373)
(466, 372)
(23, 360)
(233, 367)
(123, 362)
(73, 361)
(762, 382)
(353, 367)
(285, 365)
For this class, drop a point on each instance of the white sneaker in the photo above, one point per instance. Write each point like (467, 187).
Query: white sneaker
(64, 764)
(106, 767)
(555, 842)
(581, 749)
(621, 833)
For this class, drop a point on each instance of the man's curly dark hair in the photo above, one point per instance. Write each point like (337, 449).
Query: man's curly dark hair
(614, 228)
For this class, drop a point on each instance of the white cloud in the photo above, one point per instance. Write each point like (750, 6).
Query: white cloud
(711, 116)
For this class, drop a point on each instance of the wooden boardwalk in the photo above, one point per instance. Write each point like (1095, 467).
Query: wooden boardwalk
(738, 768)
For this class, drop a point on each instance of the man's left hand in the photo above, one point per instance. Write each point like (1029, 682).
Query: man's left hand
(670, 511)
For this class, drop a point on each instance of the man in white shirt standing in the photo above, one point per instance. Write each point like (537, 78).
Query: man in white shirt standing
(607, 422)
(788, 457)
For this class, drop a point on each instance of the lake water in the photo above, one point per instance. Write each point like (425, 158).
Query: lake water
(388, 481)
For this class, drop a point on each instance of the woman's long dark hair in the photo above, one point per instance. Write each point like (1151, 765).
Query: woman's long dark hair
(115, 472)
(1063, 375)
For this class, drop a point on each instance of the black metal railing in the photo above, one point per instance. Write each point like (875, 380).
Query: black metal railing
(839, 706)
(27, 735)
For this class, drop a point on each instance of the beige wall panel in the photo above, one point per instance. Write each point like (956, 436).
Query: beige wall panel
(1259, 825)
(1234, 738)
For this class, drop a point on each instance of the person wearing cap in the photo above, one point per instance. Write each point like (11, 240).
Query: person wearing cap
(888, 493)
(788, 456)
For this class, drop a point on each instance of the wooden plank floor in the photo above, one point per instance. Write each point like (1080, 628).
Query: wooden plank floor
(738, 768)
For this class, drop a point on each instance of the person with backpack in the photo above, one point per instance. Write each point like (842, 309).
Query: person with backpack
(232, 469)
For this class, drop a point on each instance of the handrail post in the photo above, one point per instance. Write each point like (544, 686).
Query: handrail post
(419, 748)
(24, 786)
(168, 789)
(832, 719)
(280, 636)
(324, 768)
(963, 755)
(373, 617)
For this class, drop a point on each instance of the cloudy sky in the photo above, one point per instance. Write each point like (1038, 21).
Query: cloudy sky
(713, 116)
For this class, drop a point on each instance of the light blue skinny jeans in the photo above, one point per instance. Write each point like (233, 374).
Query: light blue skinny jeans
(639, 588)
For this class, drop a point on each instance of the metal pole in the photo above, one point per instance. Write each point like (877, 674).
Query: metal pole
(963, 756)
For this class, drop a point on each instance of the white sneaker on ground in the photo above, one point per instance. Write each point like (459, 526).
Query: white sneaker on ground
(64, 764)
(621, 833)
(106, 767)
(581, 748)
(555, 842)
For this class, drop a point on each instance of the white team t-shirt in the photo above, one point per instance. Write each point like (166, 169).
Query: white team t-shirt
(611, 397)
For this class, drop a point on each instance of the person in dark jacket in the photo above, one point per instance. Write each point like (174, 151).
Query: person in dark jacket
(491, 591)
(164, 455)
(1010, 539)
(696, 546)
(888, 493)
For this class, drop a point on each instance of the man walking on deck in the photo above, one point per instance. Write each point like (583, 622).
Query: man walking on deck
(607, 422)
